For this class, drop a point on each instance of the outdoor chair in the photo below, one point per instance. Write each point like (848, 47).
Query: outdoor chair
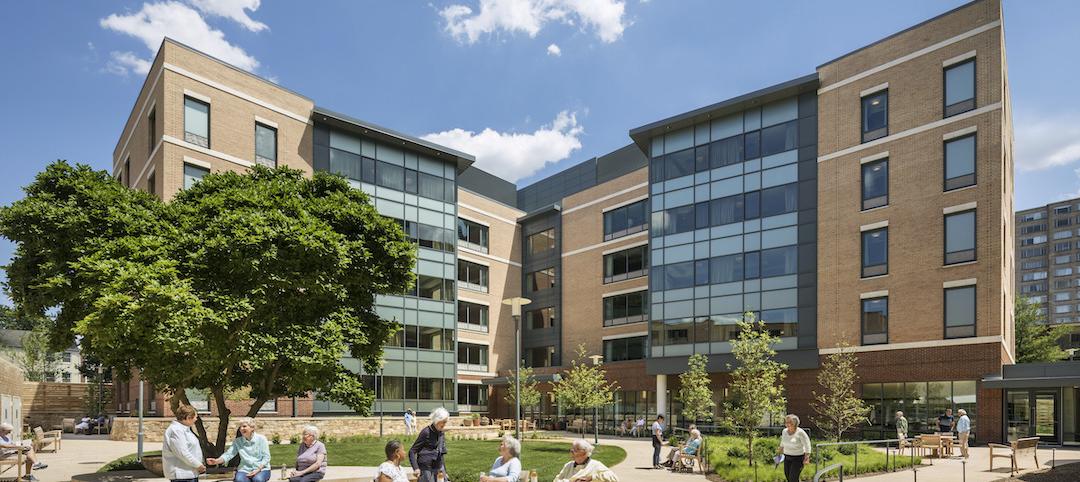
(1018, 448)
(43, 439)
(15, 460)
(506, 424)
(104, 427)
(930, 444)
(68, 425)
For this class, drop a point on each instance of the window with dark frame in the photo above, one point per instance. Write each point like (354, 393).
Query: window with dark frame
(959, 87)
(541, 242)
(265, 145)
(127, 172)
(960, 237)
(473, 276)
(540, 318)
(151, 183)
(960, 162)
(875, 115)
(875, 184)
(626, 308)
(540, 280)
(626, 264)
(626, 220)
(623, 349)
(472, 235)
(472, 316)
(875, 252)
(875, 320)
(196, 122)
(960, 312)
(193, 174)
(151, 129)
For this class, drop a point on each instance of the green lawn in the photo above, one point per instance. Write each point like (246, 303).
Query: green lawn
(728, 457)
(465, 459)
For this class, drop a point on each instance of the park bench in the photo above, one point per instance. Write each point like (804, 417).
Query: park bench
(43, 439)
(1018, 448)
(14, 460)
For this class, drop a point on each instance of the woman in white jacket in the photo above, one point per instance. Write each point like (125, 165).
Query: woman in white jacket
(584, 468)
(181, 456)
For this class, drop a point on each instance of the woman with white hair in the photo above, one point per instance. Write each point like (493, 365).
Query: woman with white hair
(254, 452)
(428, 452)
(690, 448)
(9, 448)
(795, 447)
(507, 466)
(310, 457)
(583, 468)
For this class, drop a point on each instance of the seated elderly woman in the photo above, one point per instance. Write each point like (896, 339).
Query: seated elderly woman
(507, 466)
(583, 468)
(254, 452)
(310, 457)
(9, 448)
(689, 448)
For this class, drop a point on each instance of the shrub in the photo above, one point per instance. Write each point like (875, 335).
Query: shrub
(847, 449)
(123, 463)
(276, 439)
(294, 439)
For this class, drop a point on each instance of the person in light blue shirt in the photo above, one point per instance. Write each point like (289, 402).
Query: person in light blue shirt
(410, 422)
(963, 429)
(507, 466)
(254, 452)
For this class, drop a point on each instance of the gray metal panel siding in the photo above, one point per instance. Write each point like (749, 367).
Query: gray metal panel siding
(553, 189)
(619, 163)
(807, 215)
(488, 185)
(546, 298)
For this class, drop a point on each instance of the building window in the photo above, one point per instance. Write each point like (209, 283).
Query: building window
(1035, 216)
(875, 252)
(875, 184)
(65, 377)
(472, 357)
(779, 138)
(960, 162)
(436, 338)
(431, 237)
(540, 318)
(540, 280)
(626, 264)
(434, 288)
(960, 312)
(726, 210)
(151, 130)
(780, 261)
(472, 316)
(66, 357)
(472, 395)
(959, 88)
(196, 122)
(1034, 228)
(472, 276)
(960, 237)
(625, 220)
(541, 242)
(875, 320)
(779, 200)
(472, 235)
(265, 145)
(678, 220)
(875, 116)
(626, 308)
(622, 349)
(151, 183)
(127, 172)
(193, 174)
(541, 356)
(678, 164)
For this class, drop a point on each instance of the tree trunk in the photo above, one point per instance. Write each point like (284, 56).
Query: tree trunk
(223, 420)
(750, 449)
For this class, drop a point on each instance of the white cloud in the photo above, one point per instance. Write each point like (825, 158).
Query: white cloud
(1072, 195)
(606, 17)
(233, 10)
(178, 21)
(554, 50)
(124, 62)
(1046, 143)
(512, 155)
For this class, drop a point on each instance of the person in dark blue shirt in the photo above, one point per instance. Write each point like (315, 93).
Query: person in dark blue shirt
(946, 422)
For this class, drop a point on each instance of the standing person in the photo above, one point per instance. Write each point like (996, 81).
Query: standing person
(584, 468)
(254, 452)
(310, 457)
(963, 427)
(946, 422)
(507, 466)
(657, 440)
(901, 426)
(181, 455)
(410, 422)
(9, 448)
(795, 446)
(428, 452)
(391, 470)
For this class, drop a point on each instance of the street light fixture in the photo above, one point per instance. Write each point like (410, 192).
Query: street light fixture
(596, 361)
(515, 311)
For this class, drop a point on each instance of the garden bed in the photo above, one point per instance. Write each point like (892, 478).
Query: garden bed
(728, 460)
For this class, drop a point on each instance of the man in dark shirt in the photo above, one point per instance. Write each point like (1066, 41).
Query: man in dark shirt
(945, 421)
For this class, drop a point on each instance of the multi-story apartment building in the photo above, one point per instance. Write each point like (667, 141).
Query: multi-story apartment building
(66, 362)
(1048, 264)
(866, 205)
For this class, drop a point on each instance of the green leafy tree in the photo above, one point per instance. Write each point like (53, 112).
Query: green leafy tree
(530, 394)
(695, 390)
(1037, 341)
(37, 360)
(756, 389)
(836, 406)
(585, 385)
(262, 280)
(14, 319)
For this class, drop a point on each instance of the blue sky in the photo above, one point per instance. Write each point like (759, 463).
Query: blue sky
(529, 86)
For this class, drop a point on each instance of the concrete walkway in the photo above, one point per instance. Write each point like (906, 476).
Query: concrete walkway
(80, 454)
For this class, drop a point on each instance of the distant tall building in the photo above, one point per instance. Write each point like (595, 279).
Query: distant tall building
(1048, 264)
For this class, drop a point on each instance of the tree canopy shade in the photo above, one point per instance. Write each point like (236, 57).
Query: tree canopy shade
(1036, 341)
(259, 281)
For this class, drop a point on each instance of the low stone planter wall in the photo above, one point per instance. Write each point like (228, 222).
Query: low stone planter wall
(127, 428)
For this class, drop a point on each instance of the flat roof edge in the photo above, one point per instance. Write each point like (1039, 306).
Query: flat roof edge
(463, 160)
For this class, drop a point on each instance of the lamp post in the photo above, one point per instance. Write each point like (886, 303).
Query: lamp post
(596, 360)
(515, 311)
(139, 436)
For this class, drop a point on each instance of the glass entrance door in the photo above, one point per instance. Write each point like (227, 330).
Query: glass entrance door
(1018, 413)
(1033, 413)
(1045, 417)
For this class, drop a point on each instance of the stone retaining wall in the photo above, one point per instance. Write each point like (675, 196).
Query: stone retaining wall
(126, 428)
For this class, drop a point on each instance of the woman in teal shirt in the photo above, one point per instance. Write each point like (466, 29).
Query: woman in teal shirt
(254, 454)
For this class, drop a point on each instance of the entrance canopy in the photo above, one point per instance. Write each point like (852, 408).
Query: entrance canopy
(1036, 375)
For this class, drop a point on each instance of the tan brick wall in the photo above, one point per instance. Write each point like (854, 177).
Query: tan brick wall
(126, 428)
(916, 200)
(583, 273)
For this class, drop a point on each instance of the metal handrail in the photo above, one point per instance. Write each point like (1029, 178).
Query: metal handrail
(887, 443)
(826, 470)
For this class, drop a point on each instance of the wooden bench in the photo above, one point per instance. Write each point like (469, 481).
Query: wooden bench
(1018, 448)
(43, 439)
(14, 460)
(686, 463)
